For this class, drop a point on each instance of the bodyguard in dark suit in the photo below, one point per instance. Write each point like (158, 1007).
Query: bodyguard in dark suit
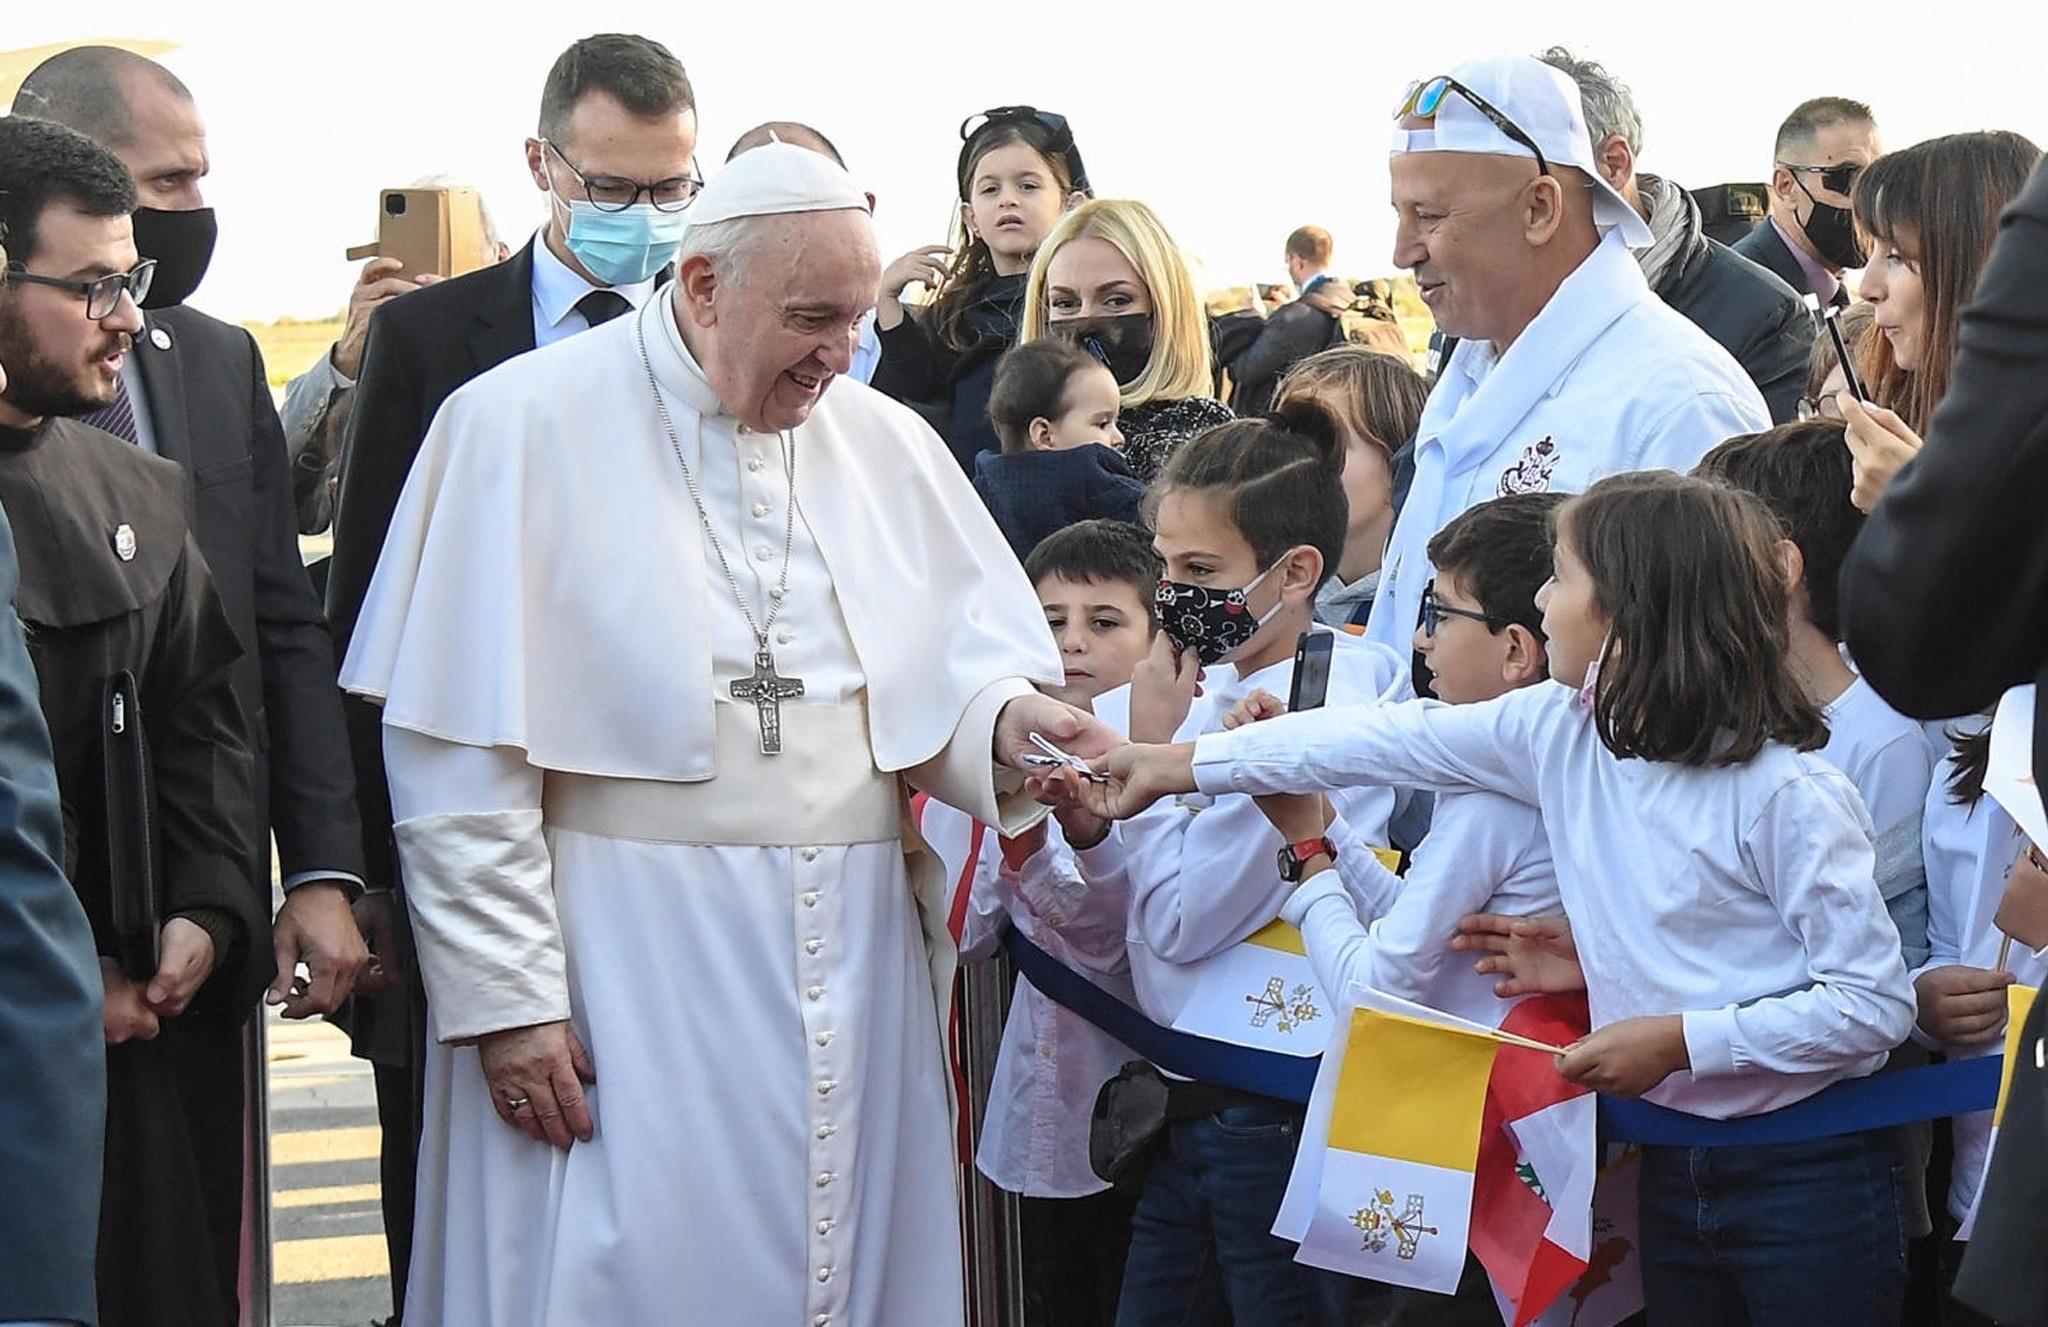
(1809, 237)
(53, 1066)
(613, 154)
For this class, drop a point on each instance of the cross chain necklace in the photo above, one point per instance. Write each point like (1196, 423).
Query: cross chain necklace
(766, 689)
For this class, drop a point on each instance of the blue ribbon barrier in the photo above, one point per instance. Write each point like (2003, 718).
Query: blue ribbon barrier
(1874, 1102)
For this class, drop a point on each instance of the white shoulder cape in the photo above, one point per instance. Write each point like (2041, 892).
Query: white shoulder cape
(543, 582)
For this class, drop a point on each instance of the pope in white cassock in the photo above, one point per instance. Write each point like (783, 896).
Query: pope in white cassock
(661, 631)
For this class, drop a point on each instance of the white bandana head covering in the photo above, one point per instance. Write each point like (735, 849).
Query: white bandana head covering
(775, 178)
(1543, 103)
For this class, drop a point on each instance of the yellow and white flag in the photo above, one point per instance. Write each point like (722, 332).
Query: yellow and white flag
(2019, 1002)
(1390, 1197)
(1260, 992)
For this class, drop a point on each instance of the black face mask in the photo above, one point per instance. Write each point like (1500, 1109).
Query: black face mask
(1123, 343)
(182, 244)
(1832, 230)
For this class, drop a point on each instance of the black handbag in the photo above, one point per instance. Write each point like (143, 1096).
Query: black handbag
(134, 904)
(1130, 1115)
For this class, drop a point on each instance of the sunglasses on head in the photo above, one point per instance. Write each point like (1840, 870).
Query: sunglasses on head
(1836, 179)
(1424, 98)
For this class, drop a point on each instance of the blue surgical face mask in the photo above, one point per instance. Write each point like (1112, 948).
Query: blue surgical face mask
(623, 248)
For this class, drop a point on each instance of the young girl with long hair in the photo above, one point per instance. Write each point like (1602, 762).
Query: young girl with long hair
(1110, 276)
(1931, 211)
(1717, 879)
(1018, 170)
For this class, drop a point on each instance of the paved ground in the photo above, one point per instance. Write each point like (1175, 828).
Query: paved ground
(327, 1234)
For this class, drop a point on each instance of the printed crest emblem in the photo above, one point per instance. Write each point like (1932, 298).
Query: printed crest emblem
(124, 542)
(1292, 1008)
(1378, 1222)
(1531, 474)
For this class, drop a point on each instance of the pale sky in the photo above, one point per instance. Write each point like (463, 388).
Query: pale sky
(1237, 125)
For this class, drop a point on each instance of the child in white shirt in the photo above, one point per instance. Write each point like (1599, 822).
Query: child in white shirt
(1735, 951)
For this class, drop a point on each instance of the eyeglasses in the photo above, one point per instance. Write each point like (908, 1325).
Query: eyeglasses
(1836, 179)
(1434, 611)
(1820, 407)
(1425, 97)
(616, 193)
(102, 294)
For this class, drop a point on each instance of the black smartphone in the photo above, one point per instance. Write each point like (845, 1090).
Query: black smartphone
(1832, 317)
(1311, 670)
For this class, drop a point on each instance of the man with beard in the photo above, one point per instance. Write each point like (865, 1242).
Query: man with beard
(1810, 238)
(133, 651)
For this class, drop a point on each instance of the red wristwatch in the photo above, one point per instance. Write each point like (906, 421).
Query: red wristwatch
(1294, 857)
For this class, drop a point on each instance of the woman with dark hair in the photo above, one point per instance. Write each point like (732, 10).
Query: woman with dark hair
(1931, 212)
(1018, 171)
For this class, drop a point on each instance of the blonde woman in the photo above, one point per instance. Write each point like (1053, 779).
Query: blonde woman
(1110, 277)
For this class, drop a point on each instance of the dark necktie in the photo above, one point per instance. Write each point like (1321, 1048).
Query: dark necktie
(601, 306)
(117, 418)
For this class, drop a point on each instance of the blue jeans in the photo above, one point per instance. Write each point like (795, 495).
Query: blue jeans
(1202, 1247)
(1777, 1235)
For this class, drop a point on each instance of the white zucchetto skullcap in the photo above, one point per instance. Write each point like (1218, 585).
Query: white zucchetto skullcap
(775, 178)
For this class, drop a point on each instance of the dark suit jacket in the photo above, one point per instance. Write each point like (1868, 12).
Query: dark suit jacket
(53, 1067)
(210, 404)
(421, 348)
(1766, 248)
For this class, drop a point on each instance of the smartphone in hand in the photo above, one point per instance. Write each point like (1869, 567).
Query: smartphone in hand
(1311, 670)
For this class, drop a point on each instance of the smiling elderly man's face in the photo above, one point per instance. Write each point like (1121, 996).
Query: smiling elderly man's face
(778, 330)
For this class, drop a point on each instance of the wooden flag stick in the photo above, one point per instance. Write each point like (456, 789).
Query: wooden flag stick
(2004, 948)
(1528, 1043)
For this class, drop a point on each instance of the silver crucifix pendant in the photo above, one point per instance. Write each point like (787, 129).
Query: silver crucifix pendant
(767, 690)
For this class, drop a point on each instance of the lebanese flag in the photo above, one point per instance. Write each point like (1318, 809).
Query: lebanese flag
(1532, 1192)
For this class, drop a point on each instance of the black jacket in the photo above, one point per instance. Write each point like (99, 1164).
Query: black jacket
(1750, 313)
(950, 388)
(210, 405)
(421, 347)
(1034, 494)
(1293, 332)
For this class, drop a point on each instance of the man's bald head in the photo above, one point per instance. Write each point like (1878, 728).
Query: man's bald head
(786, 131)
(91, 89)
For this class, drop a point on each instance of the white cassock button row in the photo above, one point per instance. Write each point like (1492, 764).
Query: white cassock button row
(824, 1038)
(825, 1177)
(760, 509)
(811, 899)
(763, 553)
(824, 1274)
(815, 993)
(813, 945)
(753, 463)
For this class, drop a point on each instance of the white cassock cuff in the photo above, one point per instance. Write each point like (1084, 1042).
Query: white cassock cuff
(965, 774)
(479, 883)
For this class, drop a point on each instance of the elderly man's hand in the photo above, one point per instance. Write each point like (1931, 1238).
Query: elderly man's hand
(536, 1076)
(1077, 732)
(379, 281)
(316, 927)
(1880, 444)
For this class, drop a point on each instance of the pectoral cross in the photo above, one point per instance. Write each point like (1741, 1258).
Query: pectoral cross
(767, 690)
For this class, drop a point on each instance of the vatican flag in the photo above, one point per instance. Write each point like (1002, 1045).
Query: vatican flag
(1260, 992)
(1392, 1191)
(2019, 1002)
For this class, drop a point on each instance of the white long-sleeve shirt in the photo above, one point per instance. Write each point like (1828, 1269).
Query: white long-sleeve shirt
(1739, 897)
(1203, 870)
(1484, 853)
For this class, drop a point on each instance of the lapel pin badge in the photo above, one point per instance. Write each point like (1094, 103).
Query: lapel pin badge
(160, 338)
(124, 542)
